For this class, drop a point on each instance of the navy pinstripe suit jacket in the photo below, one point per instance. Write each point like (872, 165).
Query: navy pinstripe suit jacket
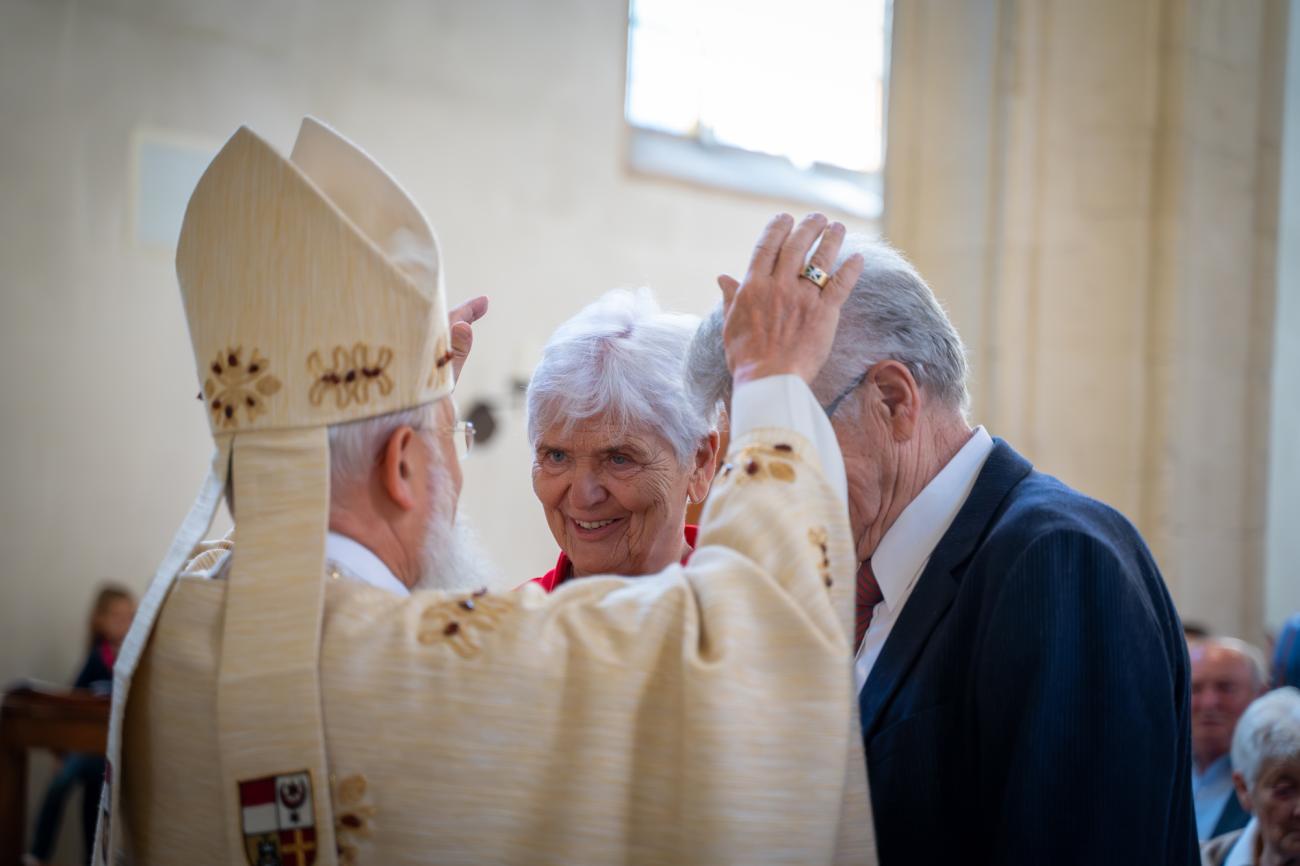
(1031, 704)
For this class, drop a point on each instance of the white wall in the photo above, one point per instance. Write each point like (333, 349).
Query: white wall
(1282, 578)
(503, 118)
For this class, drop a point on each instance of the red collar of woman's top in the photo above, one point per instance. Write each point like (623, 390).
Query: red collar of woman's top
(564, 568)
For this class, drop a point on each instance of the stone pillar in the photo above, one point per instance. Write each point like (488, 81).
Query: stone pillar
(1091, 189)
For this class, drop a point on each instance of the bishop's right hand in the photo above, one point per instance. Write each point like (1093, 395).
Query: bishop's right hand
(777, 321)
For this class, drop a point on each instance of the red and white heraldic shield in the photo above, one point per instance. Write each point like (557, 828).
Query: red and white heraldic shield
(279, 820)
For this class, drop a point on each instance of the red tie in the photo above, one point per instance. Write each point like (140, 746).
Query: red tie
(868, 596)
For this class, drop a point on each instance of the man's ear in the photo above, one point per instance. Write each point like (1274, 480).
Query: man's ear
(1243, 793)
(397, 468)
(900, 396)
(706, 464)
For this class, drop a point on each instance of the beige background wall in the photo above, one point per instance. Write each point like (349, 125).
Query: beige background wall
(1090, 187)
(1282, 572)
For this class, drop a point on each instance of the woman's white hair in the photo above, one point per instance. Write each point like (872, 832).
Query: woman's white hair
(890, 314)
(1269, 730)
(621, 359)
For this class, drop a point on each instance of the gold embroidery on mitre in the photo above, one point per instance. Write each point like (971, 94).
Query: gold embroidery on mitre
(442, 357)
(351, 817)
(453, 621)
(819, 537)
(350, 375)
(234, 387)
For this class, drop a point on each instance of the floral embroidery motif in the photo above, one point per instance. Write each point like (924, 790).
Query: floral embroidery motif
(761, 461)
(350, 376)
(351, 817)
(235, 386)
(442, 357)
(818, 536)
(454, 621)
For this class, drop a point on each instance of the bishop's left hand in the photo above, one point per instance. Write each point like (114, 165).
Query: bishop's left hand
(462, 320)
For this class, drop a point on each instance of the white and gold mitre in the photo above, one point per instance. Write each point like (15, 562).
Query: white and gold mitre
(314, 294)
(312, 285)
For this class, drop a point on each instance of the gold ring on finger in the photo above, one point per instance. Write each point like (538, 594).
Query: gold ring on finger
(816, 275)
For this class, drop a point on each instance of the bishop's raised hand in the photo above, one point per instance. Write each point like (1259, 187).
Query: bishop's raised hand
(777, 320)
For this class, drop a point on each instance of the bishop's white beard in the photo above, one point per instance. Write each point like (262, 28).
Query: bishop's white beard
(452, 559)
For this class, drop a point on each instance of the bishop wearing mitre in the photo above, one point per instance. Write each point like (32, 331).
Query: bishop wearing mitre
(267, 712)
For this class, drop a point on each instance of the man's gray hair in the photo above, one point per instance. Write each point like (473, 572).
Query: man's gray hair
(355, 446)
(890, 314)
(1269, 730)
(1253, 656)
(621, 359)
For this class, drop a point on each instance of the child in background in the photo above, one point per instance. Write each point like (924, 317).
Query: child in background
(110, 619)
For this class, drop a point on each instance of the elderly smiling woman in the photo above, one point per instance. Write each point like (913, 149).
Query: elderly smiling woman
(620, 448)
(1266, 773)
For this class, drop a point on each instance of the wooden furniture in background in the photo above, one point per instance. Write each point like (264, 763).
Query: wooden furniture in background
(37, 718)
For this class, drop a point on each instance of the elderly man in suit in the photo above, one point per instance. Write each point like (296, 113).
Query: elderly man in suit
(1023, 675)
(1227, 674)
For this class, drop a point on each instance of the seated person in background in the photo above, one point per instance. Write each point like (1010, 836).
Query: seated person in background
(1227, 674)
(110, 619)
(1286, 655)
(1266, 758)
(620, 448)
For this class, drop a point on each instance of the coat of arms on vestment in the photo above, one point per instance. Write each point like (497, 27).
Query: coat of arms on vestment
(279, 820)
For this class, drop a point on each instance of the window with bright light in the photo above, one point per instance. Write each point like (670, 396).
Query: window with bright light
(770, 96)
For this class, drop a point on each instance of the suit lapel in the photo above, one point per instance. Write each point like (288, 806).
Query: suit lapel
(937, 585)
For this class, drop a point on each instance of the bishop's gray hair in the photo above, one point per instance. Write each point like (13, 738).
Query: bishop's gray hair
(1269, 730)
(890, 314)
(621, 359)
(355, 446)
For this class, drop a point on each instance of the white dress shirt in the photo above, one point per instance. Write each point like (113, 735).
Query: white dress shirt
(905, 549)
(345, 558)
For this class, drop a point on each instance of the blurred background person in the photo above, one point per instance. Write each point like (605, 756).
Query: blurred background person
(1227, 674)
(620, 448)
(1266, 755)
(110, 619)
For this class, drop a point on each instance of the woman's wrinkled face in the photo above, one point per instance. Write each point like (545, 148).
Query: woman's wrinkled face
(1275, 800)
(615, 500)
